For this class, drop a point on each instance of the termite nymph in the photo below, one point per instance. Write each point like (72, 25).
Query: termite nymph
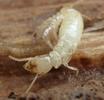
(69, 35)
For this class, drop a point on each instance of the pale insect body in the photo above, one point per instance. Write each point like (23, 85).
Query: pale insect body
(69, 36)
(70, 31)
(47, 31)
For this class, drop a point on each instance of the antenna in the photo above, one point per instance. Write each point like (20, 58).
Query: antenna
(32, 83)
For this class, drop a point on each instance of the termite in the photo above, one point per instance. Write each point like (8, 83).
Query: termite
(70, 23)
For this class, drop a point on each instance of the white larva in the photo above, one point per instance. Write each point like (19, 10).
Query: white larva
(69, 36)
(70, 32)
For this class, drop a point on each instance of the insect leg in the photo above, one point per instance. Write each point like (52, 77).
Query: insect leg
(48, 42)
(52, 37)
(51, 34)
(32, 83)
(72, 68)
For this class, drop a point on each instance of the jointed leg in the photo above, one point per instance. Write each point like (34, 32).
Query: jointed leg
(48, 39)
(48, 43)
(72, 68)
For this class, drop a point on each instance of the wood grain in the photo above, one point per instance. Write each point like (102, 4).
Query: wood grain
(18, 19)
